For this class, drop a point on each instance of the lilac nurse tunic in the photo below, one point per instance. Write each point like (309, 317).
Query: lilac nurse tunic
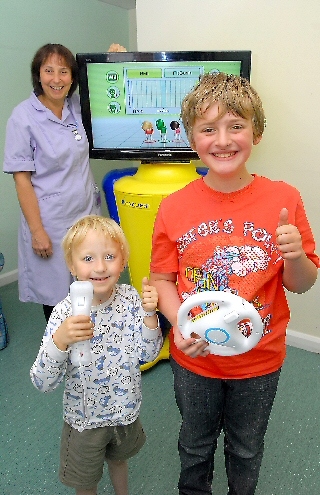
(38, 142)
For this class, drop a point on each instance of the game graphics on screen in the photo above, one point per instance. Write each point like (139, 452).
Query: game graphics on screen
(138, 106)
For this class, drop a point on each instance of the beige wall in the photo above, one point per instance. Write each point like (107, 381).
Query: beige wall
(284, 37)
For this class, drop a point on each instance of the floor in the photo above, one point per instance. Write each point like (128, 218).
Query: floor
(31, 423)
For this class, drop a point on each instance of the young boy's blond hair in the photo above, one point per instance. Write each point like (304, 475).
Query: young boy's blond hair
(234, 95)
(103, 225)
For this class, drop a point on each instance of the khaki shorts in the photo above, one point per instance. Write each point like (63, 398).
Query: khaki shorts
(82, 454)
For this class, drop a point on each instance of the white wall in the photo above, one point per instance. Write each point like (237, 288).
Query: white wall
(284, 37)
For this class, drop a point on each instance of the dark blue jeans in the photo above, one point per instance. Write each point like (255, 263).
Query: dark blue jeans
(241, 408)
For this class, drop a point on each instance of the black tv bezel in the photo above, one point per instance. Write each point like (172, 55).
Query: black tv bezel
(156, 154)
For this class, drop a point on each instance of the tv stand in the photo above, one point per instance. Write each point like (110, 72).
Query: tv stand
(138, 198)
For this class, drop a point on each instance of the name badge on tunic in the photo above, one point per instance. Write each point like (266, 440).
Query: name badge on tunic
(76, 134)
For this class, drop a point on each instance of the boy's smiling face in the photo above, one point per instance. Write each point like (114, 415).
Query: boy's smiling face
(224, 145)
(98, 258)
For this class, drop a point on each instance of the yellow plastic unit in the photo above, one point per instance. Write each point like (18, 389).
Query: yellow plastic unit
(138, 198)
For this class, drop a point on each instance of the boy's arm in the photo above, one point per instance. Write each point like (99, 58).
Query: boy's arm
(169, 301)
(299, 275)
(169, 304)
(299, 272)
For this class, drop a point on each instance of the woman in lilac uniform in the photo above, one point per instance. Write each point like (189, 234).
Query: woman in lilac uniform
(47, 152)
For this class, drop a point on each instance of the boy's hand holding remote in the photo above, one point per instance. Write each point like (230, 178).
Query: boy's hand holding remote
(74, 329)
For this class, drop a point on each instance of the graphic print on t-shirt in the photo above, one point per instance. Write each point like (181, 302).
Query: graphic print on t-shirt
(237, 264)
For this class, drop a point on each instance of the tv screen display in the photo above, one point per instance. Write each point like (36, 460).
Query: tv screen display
(130, 101)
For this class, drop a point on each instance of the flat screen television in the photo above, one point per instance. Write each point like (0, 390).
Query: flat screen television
(130, 101)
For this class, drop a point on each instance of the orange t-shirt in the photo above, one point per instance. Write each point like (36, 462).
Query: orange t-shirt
(226, 241)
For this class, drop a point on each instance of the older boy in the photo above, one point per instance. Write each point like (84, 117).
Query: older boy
(236, 232)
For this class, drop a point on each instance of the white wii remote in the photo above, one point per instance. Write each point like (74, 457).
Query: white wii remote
(81, 294)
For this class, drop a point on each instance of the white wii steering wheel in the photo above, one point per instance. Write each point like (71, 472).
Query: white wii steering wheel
(231, 326)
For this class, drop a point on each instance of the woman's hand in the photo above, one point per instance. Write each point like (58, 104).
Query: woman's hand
(115, 47)
(41, 243)
(73, 329)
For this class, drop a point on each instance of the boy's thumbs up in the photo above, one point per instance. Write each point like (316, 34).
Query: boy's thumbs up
(283, 217)
(145, 281)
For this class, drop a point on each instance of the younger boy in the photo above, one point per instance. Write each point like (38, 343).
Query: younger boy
(229, 231)
(101, 400)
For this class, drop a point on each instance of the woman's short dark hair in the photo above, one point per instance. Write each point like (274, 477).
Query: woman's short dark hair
(42, 55)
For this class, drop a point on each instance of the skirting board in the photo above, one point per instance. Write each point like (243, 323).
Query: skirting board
(8, 278)
(303, 341)
(295, 339)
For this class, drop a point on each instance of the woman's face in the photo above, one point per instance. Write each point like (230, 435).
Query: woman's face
(56, 79)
